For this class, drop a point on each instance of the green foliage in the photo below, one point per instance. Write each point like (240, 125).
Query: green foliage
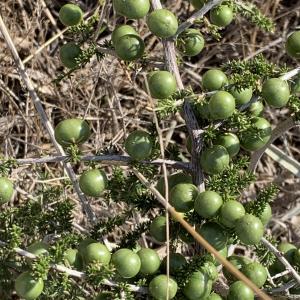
(294, 106)
(130, 190)
(193, 218)
(172, 152)
(240, 121)
(166, 107)
(122, 291)
(214, 30)
(231, 182)
(173, 104)
(131, 238)
(36, 219)
(13, 237)
(39, 268)
(64, 242)
(210, 134)
(74, 154)
(85, 57)
(245, 74)
(6, 165)
(96, 273)
(85, 30)
(264, 255)
(188, 269)
(108, 225)
(254, 15)
(60, 286)
(267, 195)
(7, 261)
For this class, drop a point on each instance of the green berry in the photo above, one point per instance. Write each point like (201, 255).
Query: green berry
(249, 229)
(214, 160)
(132, 9)
(276, 92)
(139, 145)
(208, 203)
(242, 96)
(162, 22)
(93, 182)
(293, 45)
(69, 53)
(190, 42)
(6, 190)
(221, 16)
(230, 141)
(120, 31)
(230, 212)
(214, 234)
(214, 80)
(182, 196)
(70, 14)
(129, 47)
(221, 105)
(162, 84)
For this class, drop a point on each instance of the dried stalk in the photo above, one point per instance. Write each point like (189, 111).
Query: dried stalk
(281, 258)
(39, 107)
(105, 159)
(197, 15)
(178, 217)
(276, 133)
(191, 122)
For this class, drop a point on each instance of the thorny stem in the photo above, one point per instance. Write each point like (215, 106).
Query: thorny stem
(191, 122)
(74, 273)
(105, 159)
(281, 258)
(166, 184)
(39, 107)
(197, 15)
(179, 218)
(276, 133)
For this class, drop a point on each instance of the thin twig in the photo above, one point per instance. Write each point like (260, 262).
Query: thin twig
(281, 258)
(283, 288)
(74, 273)
(281, 274)
(105, 159)
(166, 183)
(43, 116)
(178, 217)
(197, 15)
(191, 122)
(276, 133)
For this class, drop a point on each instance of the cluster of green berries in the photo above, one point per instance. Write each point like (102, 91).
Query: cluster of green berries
(184, 196)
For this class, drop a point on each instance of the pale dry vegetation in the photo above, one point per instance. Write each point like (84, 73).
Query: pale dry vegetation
(113, 98)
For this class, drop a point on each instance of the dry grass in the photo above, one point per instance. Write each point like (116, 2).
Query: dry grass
(114, 100)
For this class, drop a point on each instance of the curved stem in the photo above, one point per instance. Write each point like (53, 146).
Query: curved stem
(281, 258)
(44, 118)
(276, 133)
(74, 273)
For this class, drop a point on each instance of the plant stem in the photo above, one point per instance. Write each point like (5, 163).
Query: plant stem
(178, 217)
(191, 122)
(276, 133)
(39, 107)
(74, 273)
(281, 258)
(105, 159)
(197, 15)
